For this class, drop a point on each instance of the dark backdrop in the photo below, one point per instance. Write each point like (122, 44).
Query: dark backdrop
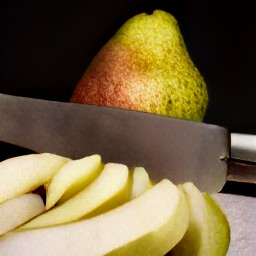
(45, 46)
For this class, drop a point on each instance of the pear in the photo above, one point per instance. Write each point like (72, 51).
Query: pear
(18, 210)
(146, 67)
(208, 233)
(110, 189)
(150, 225)
(72, 178)
(140, 182)
(23, 174)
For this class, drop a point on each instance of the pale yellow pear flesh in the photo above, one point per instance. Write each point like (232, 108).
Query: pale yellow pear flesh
(110, 189)
(25, 173)
(191, 243)
(140, 181)
(18, 210)
(119, 212)
(146, 67)
(144, 226)
(72, 178)
(208, 233)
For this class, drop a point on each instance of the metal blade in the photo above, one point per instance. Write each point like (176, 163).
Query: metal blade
(176, 149)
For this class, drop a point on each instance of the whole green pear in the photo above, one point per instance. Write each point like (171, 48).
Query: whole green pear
(146, 67)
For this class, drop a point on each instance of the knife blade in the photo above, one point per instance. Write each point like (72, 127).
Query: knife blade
(177, 149)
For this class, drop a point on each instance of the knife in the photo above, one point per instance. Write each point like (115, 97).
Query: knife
(180, 150)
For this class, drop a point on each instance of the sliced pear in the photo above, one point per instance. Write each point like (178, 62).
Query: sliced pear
(218, 227)
(108, 190)
(208, 232)
(72, 178)
(149, 225)
(23, 174)
(141, 182)
(18, 210)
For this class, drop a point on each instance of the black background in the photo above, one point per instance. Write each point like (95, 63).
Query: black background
(45, 46)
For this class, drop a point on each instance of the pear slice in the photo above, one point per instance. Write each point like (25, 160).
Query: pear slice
(72, 178)
(208, 232)
(110, 189)
(141, 182)
(18, 210)
(23, 174)
(149, 225)
(218, 227)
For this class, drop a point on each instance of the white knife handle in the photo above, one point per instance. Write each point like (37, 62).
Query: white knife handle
(243, 147)
(242, 162)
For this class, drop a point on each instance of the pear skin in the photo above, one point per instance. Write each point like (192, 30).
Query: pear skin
(146, 67)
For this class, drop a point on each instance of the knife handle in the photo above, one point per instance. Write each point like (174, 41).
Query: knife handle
(243, 147)
(242, 162)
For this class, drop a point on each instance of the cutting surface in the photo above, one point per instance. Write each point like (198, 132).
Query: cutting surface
(241, 213)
